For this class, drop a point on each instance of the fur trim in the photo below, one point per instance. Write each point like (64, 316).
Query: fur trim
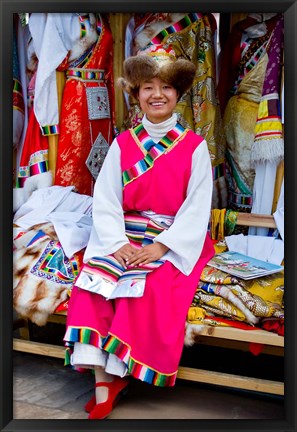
(192, 333)
(179, 73)
(35, 297)
(81, 45)
(267, 150)
(21, 195)
(143, 38)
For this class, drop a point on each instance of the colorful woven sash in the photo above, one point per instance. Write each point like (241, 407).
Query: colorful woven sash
(151, 149)
(105, 275)
(86, 74)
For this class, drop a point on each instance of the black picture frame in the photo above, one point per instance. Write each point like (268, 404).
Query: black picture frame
(7, 8)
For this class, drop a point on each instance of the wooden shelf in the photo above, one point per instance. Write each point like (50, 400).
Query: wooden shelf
(185, 373)
(255, 220)
(255, 336)
(230, 380)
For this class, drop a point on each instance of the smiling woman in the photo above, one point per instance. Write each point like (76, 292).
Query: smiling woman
(147, 246)
(157, 99)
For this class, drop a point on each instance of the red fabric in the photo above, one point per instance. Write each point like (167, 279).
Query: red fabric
(77, 132)
(275, 326)
(232, 323)
(34, 143)
(256, 348)
(230, 58)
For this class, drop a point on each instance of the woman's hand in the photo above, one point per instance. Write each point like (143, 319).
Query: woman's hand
(124, 253)
(147, 254)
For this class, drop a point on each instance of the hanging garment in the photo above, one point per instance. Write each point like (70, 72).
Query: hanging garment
(268, 146)
(34, 159)
(192, 37)
(18, 97)
(247, 65)
(138, 331)
(87, 112)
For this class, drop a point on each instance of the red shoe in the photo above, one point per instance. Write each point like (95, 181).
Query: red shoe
(90, 405)
(116, 389)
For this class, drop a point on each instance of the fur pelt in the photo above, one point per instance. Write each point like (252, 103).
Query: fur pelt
(21, 195)
(162, 21)
(192, 333)
(34, 297)
(85, 42)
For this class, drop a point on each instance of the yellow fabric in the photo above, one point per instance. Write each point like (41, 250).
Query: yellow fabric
(215, 276)
(220, 246)
(263, 109)
(236, 298)
(217, 224)
(269, 288)
(196, 315)
(53, 139)
(217, 305)
(268, 126)
(239, 120)
(277, 185)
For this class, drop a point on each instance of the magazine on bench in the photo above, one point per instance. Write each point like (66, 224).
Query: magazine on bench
(243, 266)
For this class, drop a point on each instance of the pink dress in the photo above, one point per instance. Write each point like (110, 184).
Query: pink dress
(147, 332)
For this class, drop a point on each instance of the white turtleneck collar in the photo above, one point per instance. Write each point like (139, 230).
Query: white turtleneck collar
(158, 130)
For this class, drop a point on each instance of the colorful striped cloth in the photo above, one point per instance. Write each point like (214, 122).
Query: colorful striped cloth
(176, 27)
(106, 276)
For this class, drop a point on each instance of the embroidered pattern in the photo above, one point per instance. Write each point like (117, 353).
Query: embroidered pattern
(54, 265)
(97, 155)
(38, 164)
(86, 74)
(174, 28)
(98, 102)
(50, 130)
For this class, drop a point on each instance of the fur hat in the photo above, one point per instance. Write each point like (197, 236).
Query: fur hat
(157, 61)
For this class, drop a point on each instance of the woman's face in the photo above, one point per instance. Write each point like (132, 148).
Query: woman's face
(157, 99)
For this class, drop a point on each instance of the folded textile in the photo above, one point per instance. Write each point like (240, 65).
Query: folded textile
(250, 301)
(73, 230)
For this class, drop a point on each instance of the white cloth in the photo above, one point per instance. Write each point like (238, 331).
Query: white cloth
(183, 237)
(23, 39)
(42, 202)
(73, 230)
(88, 357)
(263, 193)
(279, 214)
(69, 212)
(265, 248)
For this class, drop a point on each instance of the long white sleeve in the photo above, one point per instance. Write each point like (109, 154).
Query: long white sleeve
(108, 231)
(54, 36)
(51, 48)
(185, 237)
